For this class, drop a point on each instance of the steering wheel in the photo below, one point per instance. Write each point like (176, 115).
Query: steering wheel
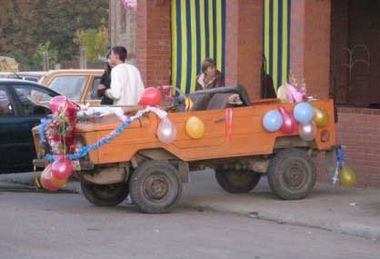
(174, 99)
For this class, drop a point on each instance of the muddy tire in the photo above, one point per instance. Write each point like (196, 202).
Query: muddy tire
(105, 195)
(155, 187)
(237, 181)
(291, 174)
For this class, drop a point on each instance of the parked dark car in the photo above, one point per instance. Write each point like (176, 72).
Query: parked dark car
(22, 105)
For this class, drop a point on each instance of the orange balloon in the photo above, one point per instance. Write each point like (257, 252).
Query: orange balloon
(195, 128)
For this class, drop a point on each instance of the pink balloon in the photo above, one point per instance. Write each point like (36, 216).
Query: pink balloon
(62, 168)
(57, 103)
(166, 131)
(151, 96)
(289, 124)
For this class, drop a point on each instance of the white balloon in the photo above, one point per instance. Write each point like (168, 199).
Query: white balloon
(308, 131)
(166, 131)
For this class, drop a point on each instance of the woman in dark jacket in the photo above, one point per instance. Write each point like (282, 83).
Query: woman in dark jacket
(105, 83)
(210, 76)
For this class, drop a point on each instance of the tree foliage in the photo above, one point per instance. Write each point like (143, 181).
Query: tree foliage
(93, 42)
(25, 25)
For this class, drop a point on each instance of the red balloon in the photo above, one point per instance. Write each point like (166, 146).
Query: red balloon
(151, 96)
(49, 182)
(289, 124)
(62, 168)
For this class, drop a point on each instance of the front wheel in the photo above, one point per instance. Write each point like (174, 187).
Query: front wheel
(155, 186)
(237, 181)
(105, 195)
(291, 174)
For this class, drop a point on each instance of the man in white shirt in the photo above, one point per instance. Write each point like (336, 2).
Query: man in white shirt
(126, 83)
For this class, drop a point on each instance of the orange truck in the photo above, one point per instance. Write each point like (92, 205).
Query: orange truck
(238, 148)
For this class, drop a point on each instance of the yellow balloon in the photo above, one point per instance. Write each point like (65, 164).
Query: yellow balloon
(281, 94)
(321, 118)
(347, 176)
(195, 128)
(189, 103)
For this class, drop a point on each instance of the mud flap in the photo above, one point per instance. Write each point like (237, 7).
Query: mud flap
(330, 161)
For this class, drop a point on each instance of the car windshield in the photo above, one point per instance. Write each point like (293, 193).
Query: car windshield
(69, 86)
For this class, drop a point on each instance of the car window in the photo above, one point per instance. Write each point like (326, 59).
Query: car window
(6, 108)
(33, 101)
(93, 94)
(69, 86)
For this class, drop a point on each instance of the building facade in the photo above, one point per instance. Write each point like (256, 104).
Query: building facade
(330, 44)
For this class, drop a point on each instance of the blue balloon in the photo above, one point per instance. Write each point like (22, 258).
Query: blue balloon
(272, 121)
(303, 113)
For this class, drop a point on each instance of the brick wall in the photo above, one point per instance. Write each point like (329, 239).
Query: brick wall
(244, 44)
(359, 130)
(310, 44)
(153, 41)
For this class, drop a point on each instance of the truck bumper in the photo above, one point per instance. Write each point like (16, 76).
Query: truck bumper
(78, 165)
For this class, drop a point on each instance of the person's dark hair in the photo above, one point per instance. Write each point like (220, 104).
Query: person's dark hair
(121, 52)
(209, 62)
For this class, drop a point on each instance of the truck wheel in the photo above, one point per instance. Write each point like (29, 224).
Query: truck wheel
(291, 174)
(105, 195)
(237, 181)
(155, 186)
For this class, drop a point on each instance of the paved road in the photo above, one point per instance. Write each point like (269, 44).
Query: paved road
(34, 225)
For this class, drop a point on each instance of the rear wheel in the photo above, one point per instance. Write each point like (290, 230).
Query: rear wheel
(105, 195)
(291, 174)
(237, 181)
(155, 186)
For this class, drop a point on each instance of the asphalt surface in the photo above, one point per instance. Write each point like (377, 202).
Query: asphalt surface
(40, 225)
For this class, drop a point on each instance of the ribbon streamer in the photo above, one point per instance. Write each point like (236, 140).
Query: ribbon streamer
(112, 135)
(228, 114)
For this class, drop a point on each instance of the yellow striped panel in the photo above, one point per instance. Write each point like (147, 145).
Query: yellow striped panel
(184, 46)
(174, 42)
(202, 28)
(219, 40)
(285, 42)
(211, 29)
(275, 58)
(266, 31)
(193, 45)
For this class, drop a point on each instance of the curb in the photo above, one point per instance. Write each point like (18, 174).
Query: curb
(347, 228)
(24, 182)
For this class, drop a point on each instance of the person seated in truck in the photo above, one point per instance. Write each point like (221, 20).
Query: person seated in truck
(210, 76)
(126, 83)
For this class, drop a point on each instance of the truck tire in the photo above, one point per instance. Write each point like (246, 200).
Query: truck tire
(237, 181)
(291, 174)
(105, 195)
(155, 186)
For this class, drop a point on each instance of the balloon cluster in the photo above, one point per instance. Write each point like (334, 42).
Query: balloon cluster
(166, 130)
(56, 175)
(60, 137)
(304, 118)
